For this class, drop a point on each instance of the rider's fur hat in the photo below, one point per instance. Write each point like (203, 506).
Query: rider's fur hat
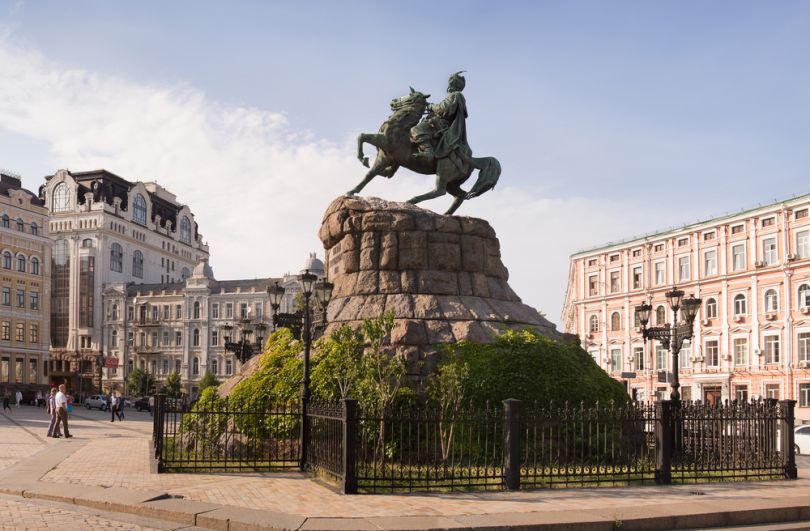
(457, 82)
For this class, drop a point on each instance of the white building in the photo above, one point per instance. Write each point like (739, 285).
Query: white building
(179, 326)
(107, 230)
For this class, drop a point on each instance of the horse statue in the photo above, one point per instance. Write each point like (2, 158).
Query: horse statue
(396, 147)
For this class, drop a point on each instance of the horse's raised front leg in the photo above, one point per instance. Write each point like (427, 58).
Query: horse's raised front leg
(440, 190)
(375, 140)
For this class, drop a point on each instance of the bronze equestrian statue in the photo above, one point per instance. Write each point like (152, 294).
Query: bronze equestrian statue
(433, 145)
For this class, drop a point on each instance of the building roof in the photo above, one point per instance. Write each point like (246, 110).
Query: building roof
(10, 182)
(258, 285)
(690, 226)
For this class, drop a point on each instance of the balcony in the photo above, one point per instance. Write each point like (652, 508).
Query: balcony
(148, 322)
(148, 349)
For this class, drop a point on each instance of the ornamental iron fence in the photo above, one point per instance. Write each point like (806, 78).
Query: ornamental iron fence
(511, 446)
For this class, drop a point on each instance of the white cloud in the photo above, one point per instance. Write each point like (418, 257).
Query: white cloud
(258, 186)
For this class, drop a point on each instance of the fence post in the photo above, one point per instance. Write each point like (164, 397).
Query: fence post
(305, 432)
(158, 416)
(511, 443)
(663, 442)
(349, 446)
(786, 425)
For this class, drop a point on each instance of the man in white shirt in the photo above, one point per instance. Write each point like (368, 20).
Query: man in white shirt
(18, 396)
(61, 410)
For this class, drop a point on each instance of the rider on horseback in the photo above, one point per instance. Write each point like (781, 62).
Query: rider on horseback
(443, 132)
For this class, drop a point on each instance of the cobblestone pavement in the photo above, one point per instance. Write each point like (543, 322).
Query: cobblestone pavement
(117, 455)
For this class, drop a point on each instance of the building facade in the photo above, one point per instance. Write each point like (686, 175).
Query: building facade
(752, 332)
(107, 230)
(25, 255)
(179, 326)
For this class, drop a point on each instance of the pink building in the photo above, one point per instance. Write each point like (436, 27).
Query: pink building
(752, 333)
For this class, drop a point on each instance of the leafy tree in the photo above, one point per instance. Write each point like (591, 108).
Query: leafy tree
(208, 380)
(447, 387)
(140, 383)
(383, 373)
(338, 368)
(173, 386)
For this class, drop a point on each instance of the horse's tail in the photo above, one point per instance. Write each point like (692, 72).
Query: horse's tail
(489, 170)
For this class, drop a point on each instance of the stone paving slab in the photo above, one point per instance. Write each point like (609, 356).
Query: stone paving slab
(175, 510)
(242, 519)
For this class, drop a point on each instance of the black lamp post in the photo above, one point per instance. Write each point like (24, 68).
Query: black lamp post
(276, 293)
(671, 336)
(244, 349)
(323, 294)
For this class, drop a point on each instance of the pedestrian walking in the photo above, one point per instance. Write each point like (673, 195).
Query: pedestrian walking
(121, 403)
(53, 427)
(62, 410)
(7, 403)
(18, 396)
(113, 407)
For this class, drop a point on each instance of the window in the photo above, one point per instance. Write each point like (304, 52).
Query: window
(771, 301)
(683, 242)
(615, 282)
(61, 198)
(34, 229)
(130, 339)
(21, 263)
(34, 333)
(20, 298)
(184, 274)
(594, 323)
(740, 306)
(196, 309)
(772, 390)
(139, 210)
(708, 236)
(185, 230)
(740, 345)
(165, 312)
(737, 229)
(637, 277)
(177, 366)
(229, 311)
(243, 310)
(615, 359)
(165, 338)
(711, 308)
(593, 285)
(614, 258)
(7, 260)
(615, 321)
(710, 263)
(803, 244)
(165, 366)
(195, 337)
(636, 253)
(215, 366)
(800, 214)
(195, 367)
(638, 358)
(804, 395)
(114, 338)
(87, 243)
(768, 222)
(683, 268)
(178, 311)
(178, 338)
(137, 264)
(34, 265)
(215, 311)
(6, 296)
(5, 335)
(658, 247)
(228, 367)
(769, 250)
(741, 393)
(34, 299)
(20, 332)
(738, 257)
(685, 356)
(258, 310)
(660, 315)
(20, 225)
(804, 295)
(772, 354)
(712, 356)
(214, 337)
(116, 258)
(804, 346)
(660, 273)
(660, 357)
(592, 262)
(5, 221)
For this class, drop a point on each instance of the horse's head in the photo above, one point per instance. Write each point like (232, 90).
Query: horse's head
(415, 98)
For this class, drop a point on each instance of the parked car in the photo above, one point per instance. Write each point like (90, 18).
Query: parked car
(96, 401)
(801, 439)
(142, 404)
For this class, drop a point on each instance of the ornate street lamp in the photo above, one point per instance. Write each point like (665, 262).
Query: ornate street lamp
(671, 336)
(276, 293)
(323, 293)
(244, 349)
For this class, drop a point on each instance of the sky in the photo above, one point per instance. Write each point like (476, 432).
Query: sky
(610, 119)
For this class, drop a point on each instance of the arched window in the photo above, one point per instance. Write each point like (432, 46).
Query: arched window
(116, 258)
(114, 339)
(594, 323)
(195, 366)
(21, 263)
(7, 259)
(114, 312)
(185, 230)
(195, 337)
(34, 228)
(137, 264)
(215, 366)
(711, 308)
(804, 295)
(771, 301)
(34, 265)
(615, 321)
(196, 309)
(87, 243)
(184, 273)
(740, 306)
(5, 221)
(660, 315)
(139, 210)
(61, 198)
(20, 225)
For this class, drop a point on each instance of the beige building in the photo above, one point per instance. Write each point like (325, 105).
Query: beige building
(25, 255)
(752, 332)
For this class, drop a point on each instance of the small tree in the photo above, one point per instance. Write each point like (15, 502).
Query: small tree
(383, 373)
(140, 383)
(208, 380)
(447, 387)
(173, 386)
(338, 366)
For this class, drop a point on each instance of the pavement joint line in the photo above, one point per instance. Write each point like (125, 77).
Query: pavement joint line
(26, 430)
